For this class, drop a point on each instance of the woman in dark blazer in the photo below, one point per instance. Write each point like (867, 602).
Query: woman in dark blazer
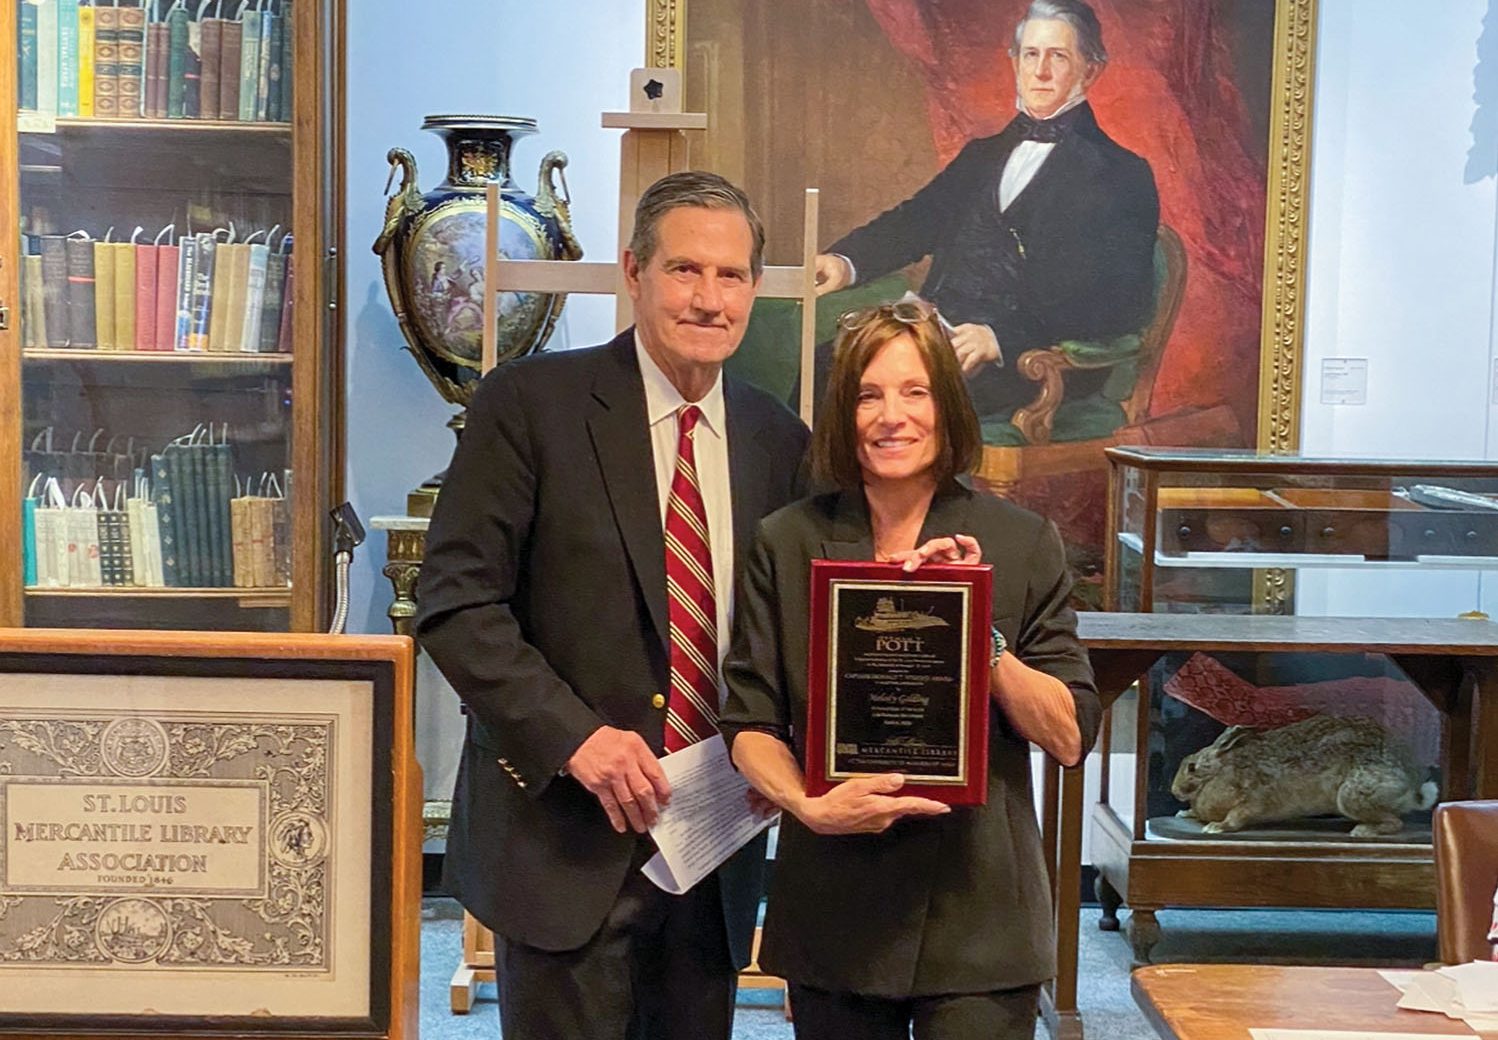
(888, 911)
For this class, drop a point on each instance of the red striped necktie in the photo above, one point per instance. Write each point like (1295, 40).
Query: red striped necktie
(693, 711)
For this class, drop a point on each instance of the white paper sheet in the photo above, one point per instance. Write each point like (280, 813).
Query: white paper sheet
(708, 820)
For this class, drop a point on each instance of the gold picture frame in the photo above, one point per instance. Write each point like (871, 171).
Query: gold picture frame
(1288, 169)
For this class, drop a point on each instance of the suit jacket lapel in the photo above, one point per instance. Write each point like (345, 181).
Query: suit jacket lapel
(749, 468)
(621, 443)
(852, 536)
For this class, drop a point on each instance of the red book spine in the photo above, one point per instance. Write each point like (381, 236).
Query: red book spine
(166, 296)
(145, 298)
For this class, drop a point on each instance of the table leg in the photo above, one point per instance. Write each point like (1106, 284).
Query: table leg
(1110, 900)
(1144, 933)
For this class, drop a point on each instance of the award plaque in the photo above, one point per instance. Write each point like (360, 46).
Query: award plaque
(898, 679)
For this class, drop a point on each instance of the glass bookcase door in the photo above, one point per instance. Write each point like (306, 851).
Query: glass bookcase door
(155, 205)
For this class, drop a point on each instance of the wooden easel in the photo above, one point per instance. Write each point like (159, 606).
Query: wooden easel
(653, 146)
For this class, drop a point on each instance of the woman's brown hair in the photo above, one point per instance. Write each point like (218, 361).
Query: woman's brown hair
(861, 335)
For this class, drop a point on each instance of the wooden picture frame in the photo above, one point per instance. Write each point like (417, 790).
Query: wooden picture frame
(772, 74)
(208, 835)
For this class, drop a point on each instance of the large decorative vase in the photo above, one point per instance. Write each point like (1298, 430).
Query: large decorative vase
(432, 251)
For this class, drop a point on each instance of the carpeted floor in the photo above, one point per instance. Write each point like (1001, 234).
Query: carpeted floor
(1108, 1012)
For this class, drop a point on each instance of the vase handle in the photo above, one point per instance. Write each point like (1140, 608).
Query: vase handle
(558, 205)
(405, 201)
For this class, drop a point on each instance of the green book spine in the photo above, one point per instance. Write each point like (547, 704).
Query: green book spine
(67, 57)
(166, 519)
(27, 33)
(28, 542)
(249, 65)
(262, 75)
(203, 534)
(273, 70)
(216, 479)
(179, 466)
(176, 63)
(288, 26)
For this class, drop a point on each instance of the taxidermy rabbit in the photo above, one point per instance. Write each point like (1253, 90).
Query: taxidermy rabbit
(1351, 766)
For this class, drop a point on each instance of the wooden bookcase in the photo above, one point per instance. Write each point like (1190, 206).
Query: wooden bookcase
(282, 407)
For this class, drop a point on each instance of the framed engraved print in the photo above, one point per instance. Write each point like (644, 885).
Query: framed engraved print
(202, 834)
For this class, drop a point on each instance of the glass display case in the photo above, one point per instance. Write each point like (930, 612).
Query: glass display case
(1231, 773)
(1227, 531)
(167, 364)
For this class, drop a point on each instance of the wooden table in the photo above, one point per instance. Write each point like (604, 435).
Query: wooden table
(1225, 1001)
(1453, 661)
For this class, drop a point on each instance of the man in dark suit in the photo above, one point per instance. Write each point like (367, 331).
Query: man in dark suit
(1041, 233)
(579, 481)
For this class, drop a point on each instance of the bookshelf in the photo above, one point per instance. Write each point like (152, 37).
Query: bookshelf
(169, 400)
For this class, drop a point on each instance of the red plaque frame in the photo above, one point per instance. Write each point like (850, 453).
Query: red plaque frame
(975, 585)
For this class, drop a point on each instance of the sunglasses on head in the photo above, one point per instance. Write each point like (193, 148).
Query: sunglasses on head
(911, 310)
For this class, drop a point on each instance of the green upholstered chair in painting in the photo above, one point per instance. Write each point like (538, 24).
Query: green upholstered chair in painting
(1050, 434)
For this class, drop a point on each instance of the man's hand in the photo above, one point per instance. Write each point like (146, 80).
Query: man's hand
(833, 273)
(864, 806)
(625, 776)
(975, 346)
(960, 549)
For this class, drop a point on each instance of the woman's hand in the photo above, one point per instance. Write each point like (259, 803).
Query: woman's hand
(960, 549)
(865, 806)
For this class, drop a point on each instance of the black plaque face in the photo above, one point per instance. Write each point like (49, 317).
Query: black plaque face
(898, 688)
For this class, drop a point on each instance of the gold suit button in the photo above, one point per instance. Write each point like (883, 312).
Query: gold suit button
(658, 701)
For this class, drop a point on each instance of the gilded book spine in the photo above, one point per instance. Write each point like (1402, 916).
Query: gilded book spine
(106, 61)
(132, 67)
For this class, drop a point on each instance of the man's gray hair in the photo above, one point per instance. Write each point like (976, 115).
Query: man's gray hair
(1074, 13)
(692, 188)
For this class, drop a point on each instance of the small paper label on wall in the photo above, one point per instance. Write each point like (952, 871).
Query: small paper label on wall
(1344, 381)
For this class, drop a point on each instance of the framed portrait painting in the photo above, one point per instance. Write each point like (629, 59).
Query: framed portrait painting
(1126, 267)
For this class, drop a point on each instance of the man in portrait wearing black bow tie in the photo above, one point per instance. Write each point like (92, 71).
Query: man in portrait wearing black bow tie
(1041, 233)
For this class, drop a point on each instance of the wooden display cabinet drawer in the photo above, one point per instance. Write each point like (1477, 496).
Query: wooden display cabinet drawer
(1373, 524)
(1226, 520)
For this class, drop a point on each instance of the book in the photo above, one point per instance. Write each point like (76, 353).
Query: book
(187, 273)
(192, 71)
(184, 491)
(28, 536)
(156, 58)
(111, 548)
(176, 61)
(80, 253)
(33, 303)
(212, 32)
(124, 295)
(254, 296)
(283, 340)
(106, 61)
(271, 81)
(288, 27)
(104, 296)
(239, 540)
(249, 65)
(26, 57)
(219, 466)
(280, 515)
(131, 36)
(46, 57)
(167, 264)
(262, 72)
(54, 254)
(166, 519)
(228, 284)
(231, 38)
(67, 57)
(145, 297)
(202, 290)
(84, 567)
(270, 316)
(86, 45)
(51, 517)
(261, 549)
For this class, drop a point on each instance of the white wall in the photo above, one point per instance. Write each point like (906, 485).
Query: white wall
(1401, 262)
(563, 64)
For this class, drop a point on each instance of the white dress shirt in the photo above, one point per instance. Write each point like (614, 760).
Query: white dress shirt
(662, 402)
(1026, 159)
